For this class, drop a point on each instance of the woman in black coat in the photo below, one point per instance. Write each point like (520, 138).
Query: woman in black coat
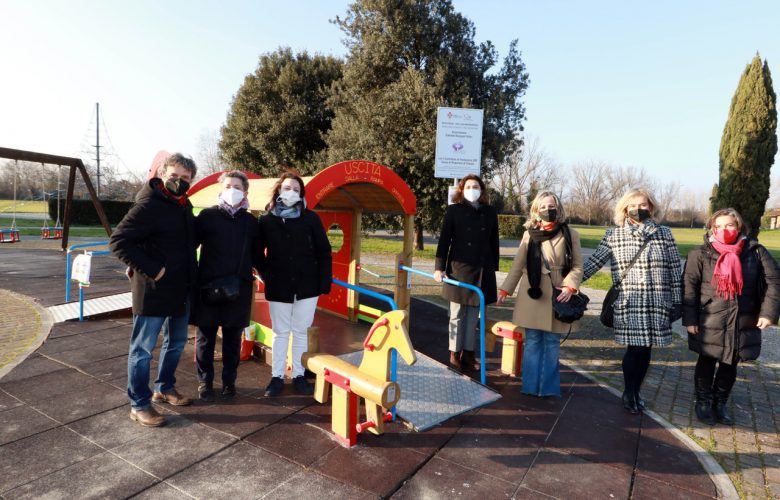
(731, 291)
(228, 237)
(297, 269)
(467, 252)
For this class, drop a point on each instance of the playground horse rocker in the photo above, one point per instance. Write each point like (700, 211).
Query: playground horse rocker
(370, 381)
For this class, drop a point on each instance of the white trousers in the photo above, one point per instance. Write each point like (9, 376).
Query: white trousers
(286, 318)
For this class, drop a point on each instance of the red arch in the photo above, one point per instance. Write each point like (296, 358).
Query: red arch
(360, 171)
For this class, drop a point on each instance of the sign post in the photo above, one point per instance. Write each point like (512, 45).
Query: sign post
(458, 144)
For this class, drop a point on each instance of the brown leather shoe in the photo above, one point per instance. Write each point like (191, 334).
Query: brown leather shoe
(455, 360)
(172, 398)
(148, 417)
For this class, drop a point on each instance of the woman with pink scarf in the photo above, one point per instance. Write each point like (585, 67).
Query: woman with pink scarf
(731, 292)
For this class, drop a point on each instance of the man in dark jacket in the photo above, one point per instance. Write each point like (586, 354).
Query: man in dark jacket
(156, 240)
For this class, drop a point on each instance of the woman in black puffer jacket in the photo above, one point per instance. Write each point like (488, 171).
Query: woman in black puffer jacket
(731, 291)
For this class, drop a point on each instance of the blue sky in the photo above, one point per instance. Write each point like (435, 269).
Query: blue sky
(634, 84)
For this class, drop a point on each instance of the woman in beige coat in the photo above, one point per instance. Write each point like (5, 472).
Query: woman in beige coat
(548, 257)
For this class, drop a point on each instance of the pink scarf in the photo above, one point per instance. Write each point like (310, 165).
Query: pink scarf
(727, 276)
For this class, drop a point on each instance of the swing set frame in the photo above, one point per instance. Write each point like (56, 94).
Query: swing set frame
(75, 164)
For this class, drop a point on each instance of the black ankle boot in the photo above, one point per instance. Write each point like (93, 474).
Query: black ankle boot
(720, 409)
(629, 402)
(703, 392)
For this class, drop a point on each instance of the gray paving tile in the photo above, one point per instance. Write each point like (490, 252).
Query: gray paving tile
(7, 401)
(242, 470)
(359, 466)
(93, 399)
(107, 369)
(88, 479)
(442, 479)
(306, 484)
(567, 476)
(91, 353)
(31, 458)
(174, 447)
(491, 451)
(112, 428)
(21, 422)
(31, 367)
(161, 491)
(284, 438)
(238, 417)
(645, 487)
(48, 385)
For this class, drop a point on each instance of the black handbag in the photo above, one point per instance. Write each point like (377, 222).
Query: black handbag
(571, 311)
(607, 316)
(221, 290)
(224, 289)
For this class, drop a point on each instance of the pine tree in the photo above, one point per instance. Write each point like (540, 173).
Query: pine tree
(748, 146)
(406, 58)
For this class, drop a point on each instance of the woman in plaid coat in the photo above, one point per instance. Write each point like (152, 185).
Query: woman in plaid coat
(650, 295)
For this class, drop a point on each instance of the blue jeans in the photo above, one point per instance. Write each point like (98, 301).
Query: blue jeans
(146, 329)
(541, 373)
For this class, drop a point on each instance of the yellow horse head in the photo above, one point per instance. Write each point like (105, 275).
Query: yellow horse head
(388, 332)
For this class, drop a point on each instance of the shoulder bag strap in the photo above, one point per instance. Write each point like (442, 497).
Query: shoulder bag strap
(243, 250)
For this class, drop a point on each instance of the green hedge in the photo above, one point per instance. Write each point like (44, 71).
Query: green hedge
(83, 212)
(511, 226)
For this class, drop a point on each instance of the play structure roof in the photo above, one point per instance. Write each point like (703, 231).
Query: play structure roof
(346, 186)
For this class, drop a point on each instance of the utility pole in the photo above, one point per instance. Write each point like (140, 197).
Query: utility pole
(97, 145)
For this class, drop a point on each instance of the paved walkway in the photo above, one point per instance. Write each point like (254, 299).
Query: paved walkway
(65, 431)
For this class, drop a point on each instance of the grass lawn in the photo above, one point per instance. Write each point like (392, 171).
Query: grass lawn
(29, 227)
(7, 207)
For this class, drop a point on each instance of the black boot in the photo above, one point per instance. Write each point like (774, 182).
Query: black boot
(629, 402)
(720, 404)
(206, 392)
(703, 388)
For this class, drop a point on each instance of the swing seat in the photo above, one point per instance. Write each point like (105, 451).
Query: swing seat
(9, 236)
(51, 233)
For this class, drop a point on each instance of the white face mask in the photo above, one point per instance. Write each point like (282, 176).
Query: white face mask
(232, 196)
(472, 195)
(289, 198)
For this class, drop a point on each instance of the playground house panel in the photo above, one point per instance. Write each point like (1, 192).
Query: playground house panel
(340, 194)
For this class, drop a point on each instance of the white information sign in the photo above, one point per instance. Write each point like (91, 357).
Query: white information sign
(458, 142)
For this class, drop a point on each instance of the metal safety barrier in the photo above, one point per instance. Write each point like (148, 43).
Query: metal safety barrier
(481, 296)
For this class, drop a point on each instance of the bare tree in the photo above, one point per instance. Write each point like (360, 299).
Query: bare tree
(527, 169)
(208, 156)
(621, 179)
(666, 195)
(589, 194)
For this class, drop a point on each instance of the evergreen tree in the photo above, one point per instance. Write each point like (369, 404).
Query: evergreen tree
(406, 58)
(279, 115)
(748, 146)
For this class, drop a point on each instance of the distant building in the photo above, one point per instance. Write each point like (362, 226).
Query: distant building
(774, 218)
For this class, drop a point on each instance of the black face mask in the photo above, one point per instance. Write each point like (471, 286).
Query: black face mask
(177, 187)
(639, 214)
(551, 215)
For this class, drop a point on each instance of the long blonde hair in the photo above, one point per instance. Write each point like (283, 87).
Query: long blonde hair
(533, 211)
(622, 204)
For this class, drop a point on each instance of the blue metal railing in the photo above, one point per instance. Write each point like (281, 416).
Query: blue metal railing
(393, 307)
(481, 313)
(67, 265)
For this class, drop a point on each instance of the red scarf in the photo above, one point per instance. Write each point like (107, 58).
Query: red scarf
(727, 276)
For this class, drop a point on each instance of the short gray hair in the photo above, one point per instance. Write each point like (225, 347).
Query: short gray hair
(236, 174)
(178, 159)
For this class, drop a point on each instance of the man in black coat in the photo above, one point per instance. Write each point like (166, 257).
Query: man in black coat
(156, 240)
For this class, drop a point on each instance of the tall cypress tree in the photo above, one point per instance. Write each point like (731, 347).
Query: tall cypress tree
(748, 146)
